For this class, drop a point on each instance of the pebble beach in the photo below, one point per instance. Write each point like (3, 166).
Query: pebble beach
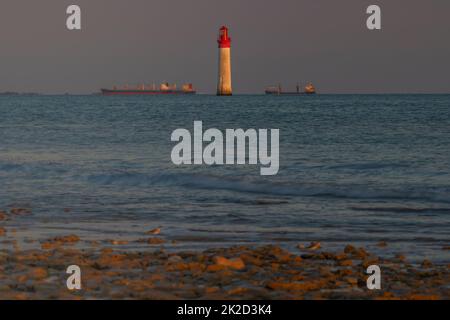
(237, 272)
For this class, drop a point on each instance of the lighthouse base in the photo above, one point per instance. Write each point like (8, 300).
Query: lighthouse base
(224, 94)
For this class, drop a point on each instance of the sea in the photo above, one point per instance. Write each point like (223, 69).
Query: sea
(354, 169)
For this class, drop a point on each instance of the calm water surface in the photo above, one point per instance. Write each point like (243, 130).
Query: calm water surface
(353, 169)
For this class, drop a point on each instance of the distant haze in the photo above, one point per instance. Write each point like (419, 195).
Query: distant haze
(277, 41)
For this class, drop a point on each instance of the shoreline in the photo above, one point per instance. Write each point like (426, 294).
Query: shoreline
(265, 272)
(268, 272)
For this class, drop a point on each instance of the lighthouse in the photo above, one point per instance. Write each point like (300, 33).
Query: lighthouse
(224, 80)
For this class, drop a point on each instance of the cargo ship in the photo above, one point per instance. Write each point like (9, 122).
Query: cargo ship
(164, 88)
(277, 90)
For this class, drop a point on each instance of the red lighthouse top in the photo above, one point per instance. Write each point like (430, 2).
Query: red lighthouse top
(224, 40)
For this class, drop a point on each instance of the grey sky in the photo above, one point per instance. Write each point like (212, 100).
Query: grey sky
(135, 41)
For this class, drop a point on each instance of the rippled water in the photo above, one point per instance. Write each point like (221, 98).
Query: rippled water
(353, 169)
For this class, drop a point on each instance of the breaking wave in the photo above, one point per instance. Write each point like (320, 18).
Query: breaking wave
(43, 170)
(209, 182)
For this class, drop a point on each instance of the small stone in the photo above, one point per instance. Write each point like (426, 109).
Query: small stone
(20, 296)
(297, 259)
(329, 256)
(345, 272)
(388, 295)
(179, 266)
(427, 264)
(215, 268)
(352, 281)
(340, 256)
(237, 291)
(314, 246)
(39, 273)
(345, 263)
(2, 232)
(295, 286)
(60, 241)
(349, 249)
(66, 239)
(369, 262)
(3, 215)
(361, 253)
(236, 263)
(154, 231)
(249, 259)
(400, 257)
(210, 290)
(382, 244)
(71, 238)
(155, 241)
(48, 246)
(107, 251)
(196, 267)
(118, 242)
(20, 211)
(175, 259)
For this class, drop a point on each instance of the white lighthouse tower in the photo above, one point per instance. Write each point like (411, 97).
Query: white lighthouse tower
(224, 82)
